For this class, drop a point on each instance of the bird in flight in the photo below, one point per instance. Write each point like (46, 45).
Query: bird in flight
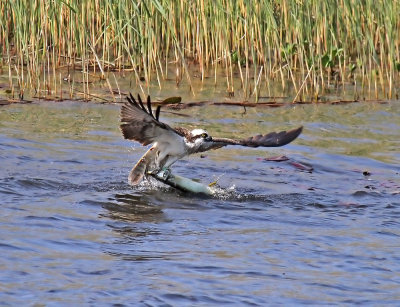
(139, 123)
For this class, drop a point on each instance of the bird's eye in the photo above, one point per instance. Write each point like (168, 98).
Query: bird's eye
(204, 135)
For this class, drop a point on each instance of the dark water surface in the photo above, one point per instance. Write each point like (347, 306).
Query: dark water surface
(72, 231)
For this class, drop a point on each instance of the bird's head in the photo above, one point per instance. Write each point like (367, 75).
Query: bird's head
(199, 136)
(199, 140)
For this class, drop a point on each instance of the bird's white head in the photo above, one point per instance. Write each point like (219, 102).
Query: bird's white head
(198, 138)
(200, 134)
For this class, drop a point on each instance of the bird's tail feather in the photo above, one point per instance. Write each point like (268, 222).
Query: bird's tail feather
(139, 170)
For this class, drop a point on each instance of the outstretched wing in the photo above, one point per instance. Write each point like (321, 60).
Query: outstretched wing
(273, 139)
(139, 124)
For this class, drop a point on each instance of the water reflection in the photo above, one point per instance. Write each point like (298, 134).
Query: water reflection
(134, 208)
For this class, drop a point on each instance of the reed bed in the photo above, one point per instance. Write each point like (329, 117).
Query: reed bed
(308, 46)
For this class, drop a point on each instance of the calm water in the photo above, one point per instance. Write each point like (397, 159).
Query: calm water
(73, 231)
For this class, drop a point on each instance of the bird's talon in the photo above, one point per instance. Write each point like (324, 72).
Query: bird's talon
(163, 173)
(166, 173)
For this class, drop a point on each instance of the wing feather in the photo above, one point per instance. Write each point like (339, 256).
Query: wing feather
(140, 101)
(149, 107)
(158, 112)
(272, 139)
(139, 124)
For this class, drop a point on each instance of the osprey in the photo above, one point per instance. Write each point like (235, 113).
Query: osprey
(140, 124)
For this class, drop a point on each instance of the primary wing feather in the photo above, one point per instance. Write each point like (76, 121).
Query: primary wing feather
(273, 139)
(140, 124)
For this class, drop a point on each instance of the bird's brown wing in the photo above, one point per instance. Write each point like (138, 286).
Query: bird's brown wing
(273, 139)
(140, 124)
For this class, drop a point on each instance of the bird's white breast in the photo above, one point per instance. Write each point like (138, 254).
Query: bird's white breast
(173, 146)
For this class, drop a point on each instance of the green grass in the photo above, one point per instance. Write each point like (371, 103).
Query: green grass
(306, 45)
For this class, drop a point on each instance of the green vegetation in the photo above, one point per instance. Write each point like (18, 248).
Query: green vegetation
(308, 46)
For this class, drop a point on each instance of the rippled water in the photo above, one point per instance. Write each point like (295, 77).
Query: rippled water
(73, 231)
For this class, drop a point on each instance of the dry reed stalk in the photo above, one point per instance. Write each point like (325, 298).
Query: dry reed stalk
(341, 42)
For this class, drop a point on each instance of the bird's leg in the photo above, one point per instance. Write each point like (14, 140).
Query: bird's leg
(163, 172)
(166, 172)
